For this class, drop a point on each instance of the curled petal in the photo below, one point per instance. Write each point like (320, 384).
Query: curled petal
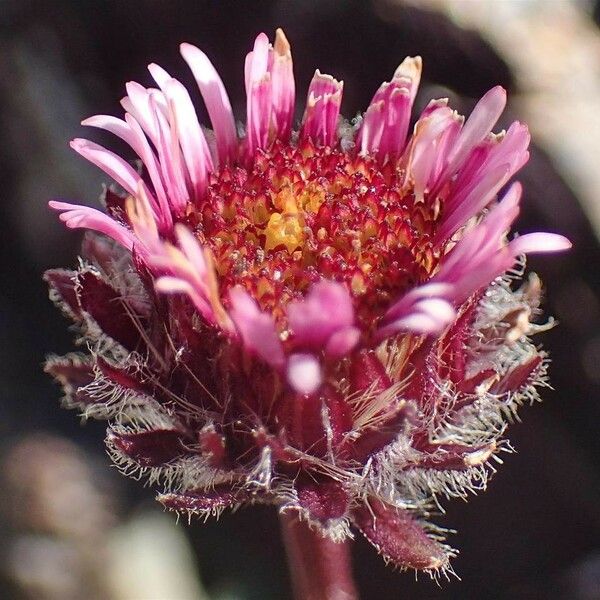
(130, 132)
(428, 316)
(75, 217)
(112, 164)
(169, 155)
(256, 328)
(325, 311)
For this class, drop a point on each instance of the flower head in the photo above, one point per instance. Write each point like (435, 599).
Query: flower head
(318, 318)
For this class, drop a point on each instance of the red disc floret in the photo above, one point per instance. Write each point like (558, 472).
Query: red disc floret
(348, 219)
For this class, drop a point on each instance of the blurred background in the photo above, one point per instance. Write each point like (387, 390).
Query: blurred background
(72, 528)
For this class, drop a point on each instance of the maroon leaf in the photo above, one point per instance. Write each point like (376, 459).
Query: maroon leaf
(323, 500)
(212, 445)
(148, 448)
(399, 537)
(365, 370)
(102, 251)
(62, 291)
(73, 373)
(126, 377)
(115, 205)
(453, 457)
(518, 377)
(468, 386)
(205, 501)
(109, 309)
(339, 414)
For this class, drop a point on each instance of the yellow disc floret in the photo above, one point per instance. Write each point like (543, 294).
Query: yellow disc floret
(285, 228)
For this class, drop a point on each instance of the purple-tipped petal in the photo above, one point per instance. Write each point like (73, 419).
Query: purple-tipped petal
(320, 119)
(283, 90)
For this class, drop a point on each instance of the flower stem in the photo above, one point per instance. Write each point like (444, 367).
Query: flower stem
(320, 568)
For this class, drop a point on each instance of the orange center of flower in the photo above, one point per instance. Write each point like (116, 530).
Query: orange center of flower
(304, 213)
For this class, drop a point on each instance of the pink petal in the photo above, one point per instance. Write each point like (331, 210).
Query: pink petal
(192, 250)
(478, 126)
(505, 212)
(410, 70)
(216, 100)
(131, 133)
(76, 217)
(174, 285)
(342, 342)
(369, 135)
(283, 92)
(170, 158)
(427, 290)
(112, 164)
(163, 211)
(481, 194)
(385, 123)
(258, 93)
(512, 149)
(320, 119)
(432, 135)
(417, 323)
(326, 310)
(193, 143)
(429, 315)
(539, 242)
(304, 373)
(137, 103)
(256, 328)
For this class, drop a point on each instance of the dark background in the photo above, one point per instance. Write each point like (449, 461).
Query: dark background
(535, 532)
